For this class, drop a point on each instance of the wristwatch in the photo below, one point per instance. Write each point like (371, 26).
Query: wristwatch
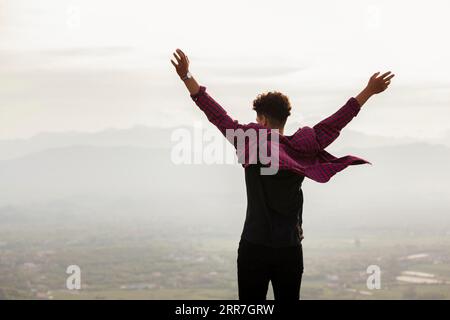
(187, 76)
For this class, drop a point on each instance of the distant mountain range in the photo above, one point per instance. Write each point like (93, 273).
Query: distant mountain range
(150, 137)
(408, 180)
(139, 136)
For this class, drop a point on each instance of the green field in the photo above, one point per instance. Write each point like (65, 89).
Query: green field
(137, 260)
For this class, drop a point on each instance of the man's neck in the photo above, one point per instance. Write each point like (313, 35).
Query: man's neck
(280, 130)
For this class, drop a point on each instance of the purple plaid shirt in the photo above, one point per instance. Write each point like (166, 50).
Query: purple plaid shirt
(303, 152)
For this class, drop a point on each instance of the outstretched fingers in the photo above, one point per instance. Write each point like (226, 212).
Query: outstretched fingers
(183, 57)
(384, 75)
(177, 57)
(180, 52)
(375, 75)
(387, 80)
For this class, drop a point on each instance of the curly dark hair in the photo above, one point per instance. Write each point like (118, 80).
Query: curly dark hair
(274, 105)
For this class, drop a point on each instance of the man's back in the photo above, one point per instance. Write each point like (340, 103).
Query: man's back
(274, 208)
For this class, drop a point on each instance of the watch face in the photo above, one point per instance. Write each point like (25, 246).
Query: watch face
(188, 75)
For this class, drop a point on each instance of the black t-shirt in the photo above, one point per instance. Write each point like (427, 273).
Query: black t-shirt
(274, 208)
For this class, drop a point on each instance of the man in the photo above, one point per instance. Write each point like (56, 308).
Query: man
(270, 247)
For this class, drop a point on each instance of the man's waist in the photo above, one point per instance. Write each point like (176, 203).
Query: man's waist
(268, 243)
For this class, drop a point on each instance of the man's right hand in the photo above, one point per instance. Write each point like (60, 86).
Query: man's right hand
(378, 83)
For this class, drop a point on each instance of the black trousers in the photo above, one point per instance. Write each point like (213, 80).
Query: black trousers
(258, 264)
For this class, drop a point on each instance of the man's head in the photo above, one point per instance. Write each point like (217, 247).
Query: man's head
(272, 109)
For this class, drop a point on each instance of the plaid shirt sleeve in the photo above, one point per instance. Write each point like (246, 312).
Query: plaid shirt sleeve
(329, 129)
(214, 112)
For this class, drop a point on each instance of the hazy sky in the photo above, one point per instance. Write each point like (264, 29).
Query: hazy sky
(92, 64)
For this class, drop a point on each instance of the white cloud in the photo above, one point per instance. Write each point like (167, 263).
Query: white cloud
(321, 47)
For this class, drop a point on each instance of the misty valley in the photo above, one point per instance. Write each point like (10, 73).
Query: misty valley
(141, 227)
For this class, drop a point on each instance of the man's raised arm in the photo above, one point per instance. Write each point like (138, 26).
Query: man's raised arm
(214, 112)
(329, 129)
